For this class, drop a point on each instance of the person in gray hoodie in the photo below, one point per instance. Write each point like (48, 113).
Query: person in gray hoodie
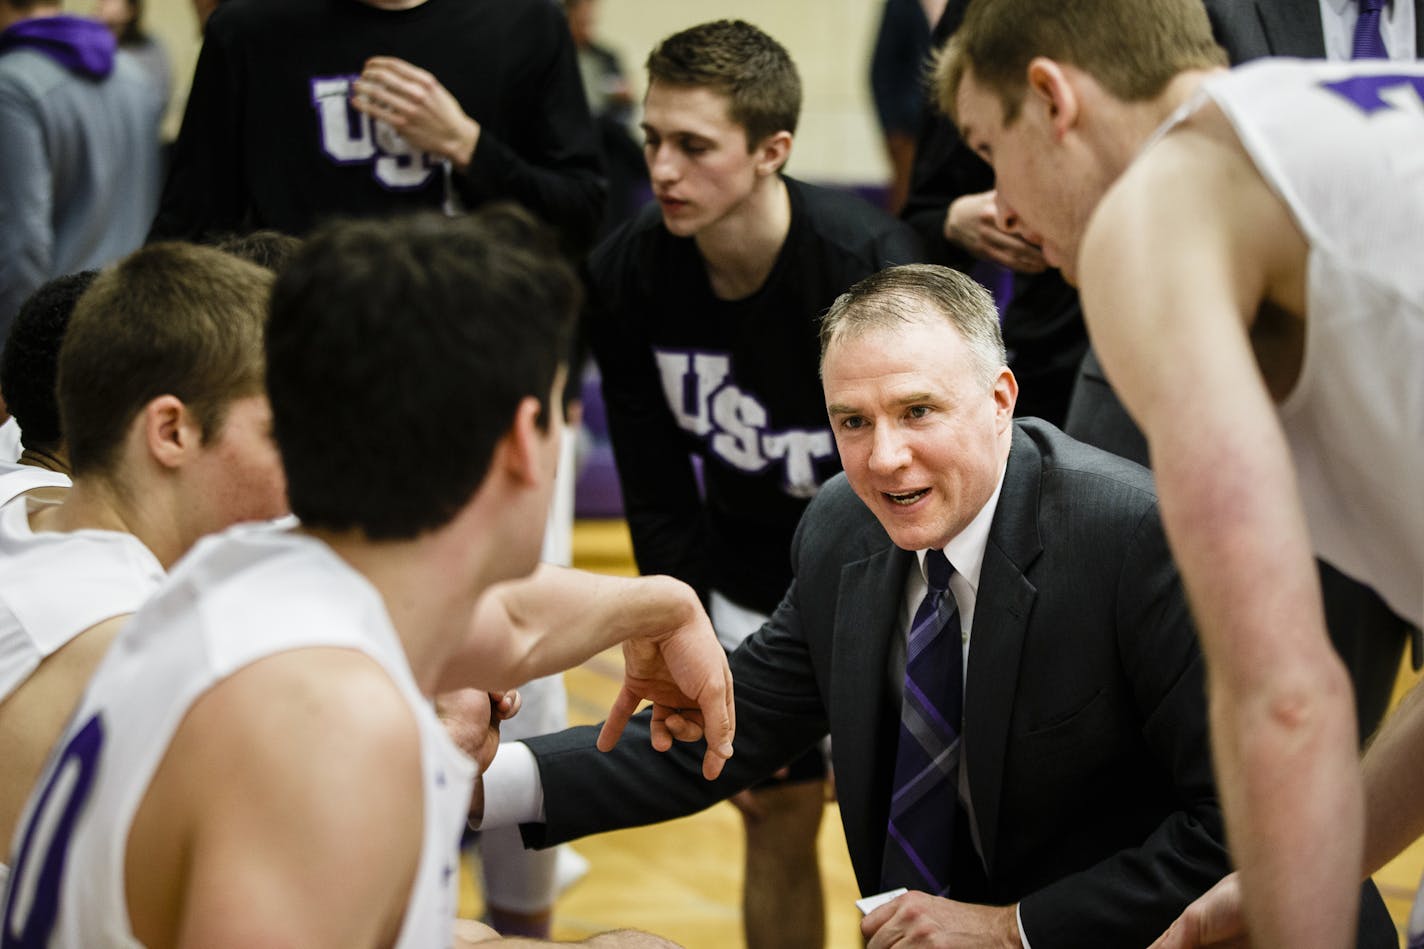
(79, 149)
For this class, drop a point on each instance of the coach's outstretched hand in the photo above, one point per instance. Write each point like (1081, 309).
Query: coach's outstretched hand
(556, 618)
(683, 671)
(1214, 919)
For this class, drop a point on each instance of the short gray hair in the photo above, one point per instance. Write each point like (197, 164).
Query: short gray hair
(890, 298)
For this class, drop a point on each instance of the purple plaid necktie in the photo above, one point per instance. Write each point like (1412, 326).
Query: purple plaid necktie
(920, 833)
(1369, 44)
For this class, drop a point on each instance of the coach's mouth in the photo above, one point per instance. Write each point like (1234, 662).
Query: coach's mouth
(906, 498)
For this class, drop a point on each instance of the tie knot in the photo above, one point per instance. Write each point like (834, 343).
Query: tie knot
(937, 570)
(1372, 6)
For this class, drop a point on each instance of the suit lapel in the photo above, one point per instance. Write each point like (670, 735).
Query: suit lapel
(1001, 614)
(1292, 27)
(867, 616)
(1419, 29)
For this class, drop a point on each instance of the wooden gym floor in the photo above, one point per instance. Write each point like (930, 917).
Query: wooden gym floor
(682, 879)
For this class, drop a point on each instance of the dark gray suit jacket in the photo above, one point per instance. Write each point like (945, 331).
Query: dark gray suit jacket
(1085, 719)
(1252, 29)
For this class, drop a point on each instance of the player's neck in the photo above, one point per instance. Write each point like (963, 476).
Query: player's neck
(429, 587)
(94, 503)
(50, 460)
(1142, 122)
(740, 250)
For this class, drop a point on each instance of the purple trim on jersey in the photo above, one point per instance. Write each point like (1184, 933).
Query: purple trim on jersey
(1364, 91)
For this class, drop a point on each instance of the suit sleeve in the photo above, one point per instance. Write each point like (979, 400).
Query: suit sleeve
(554, 169)
(206, 192)
(27, 237)
(1130, 897)
(779, 715)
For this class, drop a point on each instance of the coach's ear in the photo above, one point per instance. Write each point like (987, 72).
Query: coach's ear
(1006, 396)
(170, 431)
(1051, 86)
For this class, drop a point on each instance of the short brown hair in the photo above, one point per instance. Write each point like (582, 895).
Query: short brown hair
(1132, 47)
(170, 319)
(894, 297)
(268, 249)
(738, 60)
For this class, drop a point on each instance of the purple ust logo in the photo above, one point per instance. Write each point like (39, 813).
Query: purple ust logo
(350, 138)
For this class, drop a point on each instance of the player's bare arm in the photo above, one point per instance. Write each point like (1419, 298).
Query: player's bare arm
(558, 618)
(33, 717)
(1394, 809)
(1176, 265)
(286, 812)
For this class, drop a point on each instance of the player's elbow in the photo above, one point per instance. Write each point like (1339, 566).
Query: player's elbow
(1298, 701)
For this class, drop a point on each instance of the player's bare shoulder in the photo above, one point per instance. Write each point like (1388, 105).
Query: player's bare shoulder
(346, 753)
(1197, 200)
(1264, 233)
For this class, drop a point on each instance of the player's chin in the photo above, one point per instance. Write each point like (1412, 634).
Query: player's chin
(1066, 264)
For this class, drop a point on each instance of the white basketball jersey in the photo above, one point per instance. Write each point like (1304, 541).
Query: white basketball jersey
(54, 586)
(16, 479)
(249, 593)
(1342, 144)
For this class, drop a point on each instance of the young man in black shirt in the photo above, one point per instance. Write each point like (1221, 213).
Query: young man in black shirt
(704, 326)
(303, 110)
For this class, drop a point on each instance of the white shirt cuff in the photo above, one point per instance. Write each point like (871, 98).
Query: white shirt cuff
(513, 792)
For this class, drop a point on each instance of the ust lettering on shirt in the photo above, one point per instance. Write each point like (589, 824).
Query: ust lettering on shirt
(734, 425)
(350, 137)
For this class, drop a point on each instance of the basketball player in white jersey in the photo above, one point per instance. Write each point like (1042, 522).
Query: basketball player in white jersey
(257, 762)
(1249, 268)
(168, 435)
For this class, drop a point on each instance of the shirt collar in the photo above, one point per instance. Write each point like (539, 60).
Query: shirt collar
(965, 550)
(1340, 6)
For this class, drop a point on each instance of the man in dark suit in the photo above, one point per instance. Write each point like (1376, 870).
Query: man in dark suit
(1084, 803)
(1309, 29)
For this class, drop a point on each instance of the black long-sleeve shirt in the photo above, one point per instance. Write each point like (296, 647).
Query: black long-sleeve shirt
(269, 138)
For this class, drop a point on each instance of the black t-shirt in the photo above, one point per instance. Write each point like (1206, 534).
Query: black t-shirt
(734, 382)
(269, 138)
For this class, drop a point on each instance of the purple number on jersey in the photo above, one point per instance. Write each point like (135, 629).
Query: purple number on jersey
(32, 903)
